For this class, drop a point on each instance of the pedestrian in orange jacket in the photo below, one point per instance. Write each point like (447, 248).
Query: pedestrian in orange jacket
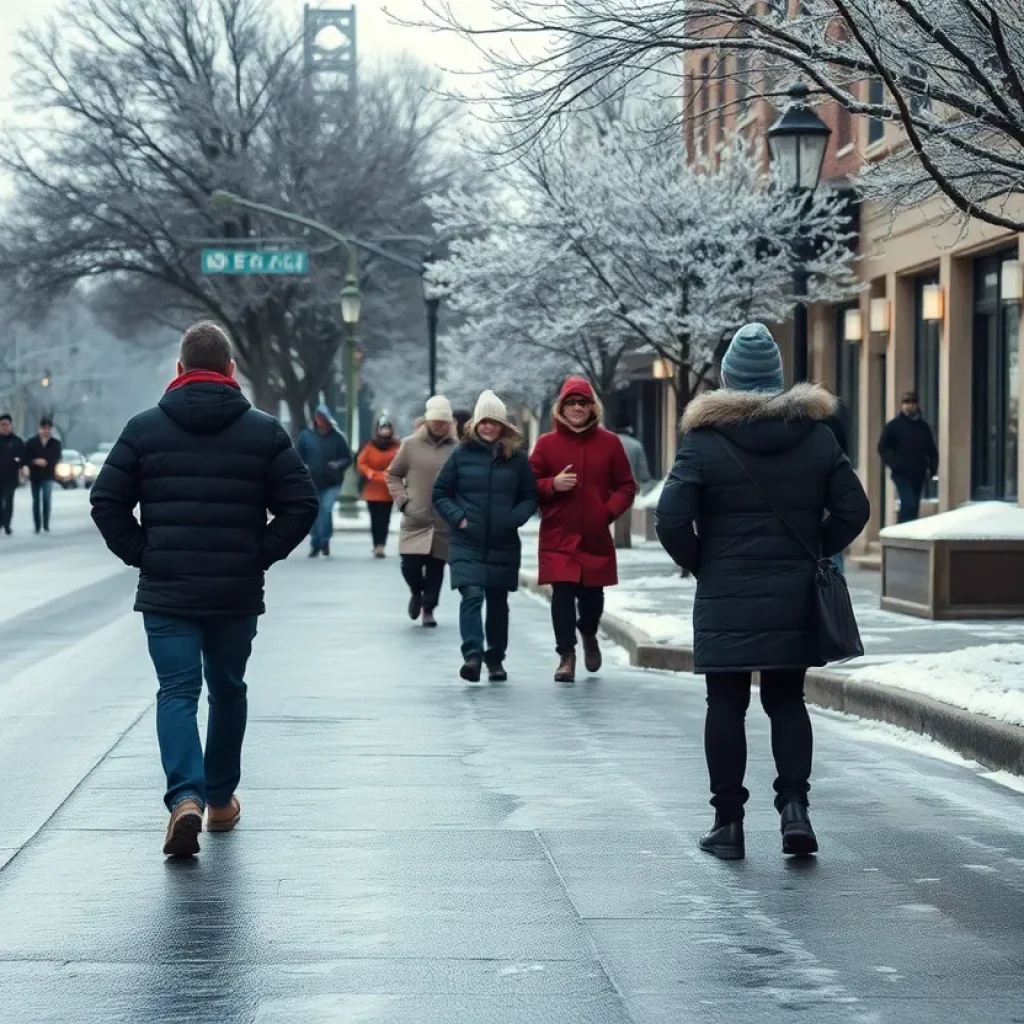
(373, 462)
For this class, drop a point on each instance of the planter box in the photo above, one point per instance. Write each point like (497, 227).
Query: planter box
(643, 523)
(965, 564)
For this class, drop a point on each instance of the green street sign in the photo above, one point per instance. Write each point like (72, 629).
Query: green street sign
(255, 261)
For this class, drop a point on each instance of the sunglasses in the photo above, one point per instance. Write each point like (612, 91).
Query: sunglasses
(577, 403)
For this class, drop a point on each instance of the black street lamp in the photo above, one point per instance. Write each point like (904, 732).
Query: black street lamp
(432, 292)
(798, 141)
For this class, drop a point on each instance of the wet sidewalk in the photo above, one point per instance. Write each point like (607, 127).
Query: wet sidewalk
(414, 850)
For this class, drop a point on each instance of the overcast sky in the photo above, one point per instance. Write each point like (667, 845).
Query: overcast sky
(376, 34)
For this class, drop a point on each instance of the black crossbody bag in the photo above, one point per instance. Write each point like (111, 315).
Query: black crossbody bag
(836, 636)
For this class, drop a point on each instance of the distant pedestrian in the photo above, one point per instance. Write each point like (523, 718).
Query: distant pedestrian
(486, 492)
(584, 484)
(325, 451)
(12, 459)
(373, 462)
(741, 446)
(462, 417)
(42, 453)
(623, 530)
(907, 447)
(206, 470)
(423, 541)
(634, 450)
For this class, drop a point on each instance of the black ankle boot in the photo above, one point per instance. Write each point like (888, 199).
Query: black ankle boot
(798, 838)
(725, 840)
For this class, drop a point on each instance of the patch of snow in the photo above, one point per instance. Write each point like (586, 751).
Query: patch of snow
(1007, 779)
(651, 498)
(985, 680)
(985, 520)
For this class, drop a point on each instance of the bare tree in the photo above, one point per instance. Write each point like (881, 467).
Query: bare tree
(949, 73)
(133, 114)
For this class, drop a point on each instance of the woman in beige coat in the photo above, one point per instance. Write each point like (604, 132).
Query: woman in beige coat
(423, 541)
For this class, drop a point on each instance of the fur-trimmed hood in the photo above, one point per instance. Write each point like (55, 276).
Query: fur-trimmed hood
(737, 408)
(577, 386)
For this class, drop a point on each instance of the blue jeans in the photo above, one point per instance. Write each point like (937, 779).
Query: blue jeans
(182, 649)
(910, 499)
(323, 526)
(475, 631)
(42, 499)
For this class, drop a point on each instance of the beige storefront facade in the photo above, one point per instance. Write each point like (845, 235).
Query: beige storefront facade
(940, 314)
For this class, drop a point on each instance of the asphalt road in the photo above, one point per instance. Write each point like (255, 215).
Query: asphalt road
(414, 850)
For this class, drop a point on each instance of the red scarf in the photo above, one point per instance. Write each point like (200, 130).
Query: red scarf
(203, 377)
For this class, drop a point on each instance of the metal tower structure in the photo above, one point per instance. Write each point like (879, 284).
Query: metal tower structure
(329, 48)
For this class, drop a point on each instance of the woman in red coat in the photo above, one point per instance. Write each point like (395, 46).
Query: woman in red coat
(584, 484)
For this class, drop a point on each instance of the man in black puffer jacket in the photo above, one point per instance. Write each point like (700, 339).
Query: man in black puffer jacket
(205, 468)
(754, 607)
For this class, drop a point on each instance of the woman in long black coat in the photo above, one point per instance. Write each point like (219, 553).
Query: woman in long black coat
(753, 609)
(486, 491)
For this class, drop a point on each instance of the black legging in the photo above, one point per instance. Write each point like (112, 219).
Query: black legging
(725, 738)
(565, 598)
(380, 521)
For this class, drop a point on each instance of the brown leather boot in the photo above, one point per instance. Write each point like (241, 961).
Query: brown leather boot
(183, 830)
(566, 671)
(591, 653)
(223, 819)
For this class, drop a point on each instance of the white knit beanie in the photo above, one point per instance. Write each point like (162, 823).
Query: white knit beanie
(490, 407)
(439, 409)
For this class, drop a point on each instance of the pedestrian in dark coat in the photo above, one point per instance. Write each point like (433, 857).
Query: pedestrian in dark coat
(584, 483)
(42, 453)
(907, 447)
(12, 460)
(205, 470)
(486, 492)
(754, 603)
(325, 451)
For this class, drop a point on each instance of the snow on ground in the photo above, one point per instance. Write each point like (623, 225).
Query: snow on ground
(984, 520)
(985, 680)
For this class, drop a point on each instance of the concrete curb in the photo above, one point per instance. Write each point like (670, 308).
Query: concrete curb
(991, 743)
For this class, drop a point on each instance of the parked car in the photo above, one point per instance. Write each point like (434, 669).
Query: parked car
(93, 465)
(70, 471)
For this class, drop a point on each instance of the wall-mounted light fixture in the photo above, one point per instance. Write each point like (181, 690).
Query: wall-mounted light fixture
(879, 316)
(661, 369)
(1011, 281)
(853, 325)
(933, 303)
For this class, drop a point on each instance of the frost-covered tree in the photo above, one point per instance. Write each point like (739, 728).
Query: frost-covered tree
(609, 242)
(949, 73)
(132, 114)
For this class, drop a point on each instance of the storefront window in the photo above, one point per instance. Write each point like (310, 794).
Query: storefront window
(927, 358)
(995, 385)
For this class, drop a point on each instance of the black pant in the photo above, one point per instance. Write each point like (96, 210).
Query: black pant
(7, 489)
(484, 638)
(380, 521)
(725, 739)
(565, 599)
(425, 575)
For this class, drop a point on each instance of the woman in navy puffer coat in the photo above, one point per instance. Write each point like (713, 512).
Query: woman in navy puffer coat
(486, 491)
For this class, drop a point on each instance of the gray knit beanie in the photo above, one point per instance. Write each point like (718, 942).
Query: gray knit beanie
(753, 362)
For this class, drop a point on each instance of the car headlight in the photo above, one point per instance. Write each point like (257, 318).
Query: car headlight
(63, 469)
(90, 470)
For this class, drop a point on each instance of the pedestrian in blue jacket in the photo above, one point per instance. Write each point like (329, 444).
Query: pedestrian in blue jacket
(486, 491)
(325, 451)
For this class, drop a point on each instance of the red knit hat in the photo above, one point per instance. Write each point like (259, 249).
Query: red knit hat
(576, 386)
